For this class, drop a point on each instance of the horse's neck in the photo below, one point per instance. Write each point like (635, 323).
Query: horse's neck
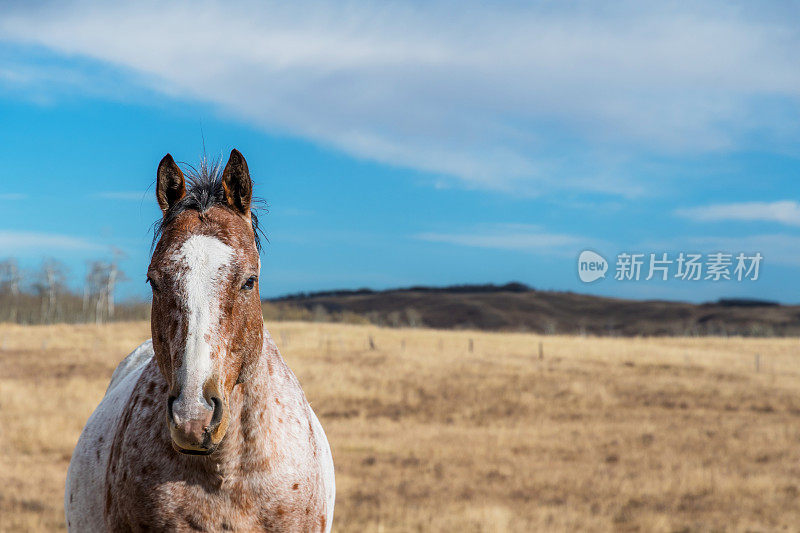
(269, 409)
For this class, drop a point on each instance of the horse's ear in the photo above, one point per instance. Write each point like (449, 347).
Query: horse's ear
(170, 184)
(237, 184)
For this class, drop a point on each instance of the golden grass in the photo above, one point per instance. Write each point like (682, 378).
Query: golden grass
(677, 434)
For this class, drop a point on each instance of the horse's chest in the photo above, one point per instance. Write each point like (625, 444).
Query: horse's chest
(238, 505)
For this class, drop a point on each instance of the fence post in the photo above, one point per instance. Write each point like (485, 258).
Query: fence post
(758, 362)
(371, 343)
(541, 351)
(471, 346)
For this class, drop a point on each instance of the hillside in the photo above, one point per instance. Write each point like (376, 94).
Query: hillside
(516, 307)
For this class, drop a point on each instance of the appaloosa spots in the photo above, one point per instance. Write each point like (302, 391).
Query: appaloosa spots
(212, 381)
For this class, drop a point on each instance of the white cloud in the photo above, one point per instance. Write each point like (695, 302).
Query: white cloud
(785, 212)
(12, 242)
(517, 237)
(517, 98)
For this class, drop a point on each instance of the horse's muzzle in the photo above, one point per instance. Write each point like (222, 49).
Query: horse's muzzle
(192, 422)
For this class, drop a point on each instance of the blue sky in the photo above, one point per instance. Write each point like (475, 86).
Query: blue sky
(410, 143)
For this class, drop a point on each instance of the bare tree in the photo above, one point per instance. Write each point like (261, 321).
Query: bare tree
(43, 295)
(52, 281)
(9, 285)
(115, 275)
(95, 289)
(394, 318)
(101, 281)
(413, 317)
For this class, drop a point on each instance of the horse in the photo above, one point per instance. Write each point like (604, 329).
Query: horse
(203, 427)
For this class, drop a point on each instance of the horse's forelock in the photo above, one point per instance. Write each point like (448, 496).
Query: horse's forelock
(204, 191)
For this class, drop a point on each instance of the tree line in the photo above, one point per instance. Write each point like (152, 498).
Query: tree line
(42, 295)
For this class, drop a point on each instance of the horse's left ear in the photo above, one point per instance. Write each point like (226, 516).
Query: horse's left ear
(237, 184)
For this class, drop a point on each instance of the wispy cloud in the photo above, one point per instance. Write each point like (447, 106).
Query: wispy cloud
(785, 212)
(11, 196)
(519, 98)
(517, 237)
(12, 242)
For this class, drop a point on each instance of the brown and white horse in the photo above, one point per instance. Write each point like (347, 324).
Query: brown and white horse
(204, 427)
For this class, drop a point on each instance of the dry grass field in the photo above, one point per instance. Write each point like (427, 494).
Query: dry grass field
(676, 434)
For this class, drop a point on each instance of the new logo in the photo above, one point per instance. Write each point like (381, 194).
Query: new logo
(591, 266)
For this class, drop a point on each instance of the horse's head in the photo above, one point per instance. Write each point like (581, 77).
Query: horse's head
(206, 317)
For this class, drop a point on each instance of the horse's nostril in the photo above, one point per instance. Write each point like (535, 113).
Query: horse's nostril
(217, 416)
(170, 401)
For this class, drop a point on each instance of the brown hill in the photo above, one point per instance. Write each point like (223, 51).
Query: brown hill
(516, 307)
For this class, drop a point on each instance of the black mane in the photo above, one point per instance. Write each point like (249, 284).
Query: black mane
(203, 191)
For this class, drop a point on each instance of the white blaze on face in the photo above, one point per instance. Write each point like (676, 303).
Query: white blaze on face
(203, 263)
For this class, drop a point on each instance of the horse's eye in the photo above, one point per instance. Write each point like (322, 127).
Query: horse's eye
(251, 281)
(152, 283)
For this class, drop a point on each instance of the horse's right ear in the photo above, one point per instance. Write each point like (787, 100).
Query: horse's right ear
(170, 184)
